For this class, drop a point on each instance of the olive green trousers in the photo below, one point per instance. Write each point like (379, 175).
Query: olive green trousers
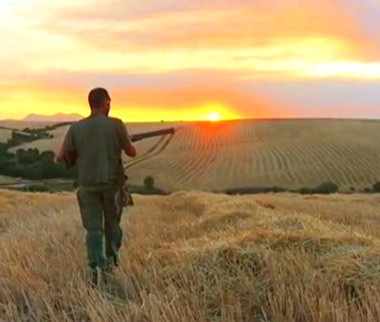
(101, 214)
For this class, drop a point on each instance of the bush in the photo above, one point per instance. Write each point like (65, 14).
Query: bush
(254, 190)
(305, 191)
(326, 188)
(149, 182)
(34, 188)
(276, 189)
(376, 187)
(3, 148)
(48, 156)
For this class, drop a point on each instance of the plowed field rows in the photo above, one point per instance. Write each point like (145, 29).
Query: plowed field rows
(285, 153)
(288, 153)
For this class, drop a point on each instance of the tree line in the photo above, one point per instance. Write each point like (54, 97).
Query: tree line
(31, 163)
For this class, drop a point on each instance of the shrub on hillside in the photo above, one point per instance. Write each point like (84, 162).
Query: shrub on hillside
(149, 182)
(326, 188)
(276, 189)
(376, 187)
(254, 190)
(305, 191)
(34, 188)
(3, 148)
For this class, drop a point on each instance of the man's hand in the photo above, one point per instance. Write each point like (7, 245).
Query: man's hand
(69, 159)
(130, 150)
(60, 157)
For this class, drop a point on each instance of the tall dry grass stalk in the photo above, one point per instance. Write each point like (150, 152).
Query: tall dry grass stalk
(196, 257)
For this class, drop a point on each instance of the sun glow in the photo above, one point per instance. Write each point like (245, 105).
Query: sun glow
(213, 117)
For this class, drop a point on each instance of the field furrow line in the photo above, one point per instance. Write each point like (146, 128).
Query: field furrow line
(151, 155)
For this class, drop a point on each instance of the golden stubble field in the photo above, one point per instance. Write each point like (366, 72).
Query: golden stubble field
(232, 154)
(194, 256)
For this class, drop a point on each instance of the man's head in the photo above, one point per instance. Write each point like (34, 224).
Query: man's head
(99, 100)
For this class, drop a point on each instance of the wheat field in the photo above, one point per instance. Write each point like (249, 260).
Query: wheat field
(286, 153)
(5, 135)
(20, 125)
(196, 256)
(7, 180)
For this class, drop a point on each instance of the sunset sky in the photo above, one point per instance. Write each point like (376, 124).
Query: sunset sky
(183, 60)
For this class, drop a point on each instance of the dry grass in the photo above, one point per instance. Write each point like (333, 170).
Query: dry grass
(196, 257)
(5, 135)
(288, 153)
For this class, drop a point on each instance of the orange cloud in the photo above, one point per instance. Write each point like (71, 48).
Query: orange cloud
(260, 26)
(266, 39)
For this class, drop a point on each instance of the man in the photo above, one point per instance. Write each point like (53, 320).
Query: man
(95, 144)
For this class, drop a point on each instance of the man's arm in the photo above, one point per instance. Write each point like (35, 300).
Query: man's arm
(60, 157)
(126, 144)
(67, 153)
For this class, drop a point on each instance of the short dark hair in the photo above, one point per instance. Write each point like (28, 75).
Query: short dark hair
(97, 96)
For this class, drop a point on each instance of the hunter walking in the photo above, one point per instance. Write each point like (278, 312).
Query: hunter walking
(95, 144)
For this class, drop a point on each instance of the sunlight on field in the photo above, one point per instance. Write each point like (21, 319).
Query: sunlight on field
(196, 257)
(7, 180)
(22, 125)
(5, 135)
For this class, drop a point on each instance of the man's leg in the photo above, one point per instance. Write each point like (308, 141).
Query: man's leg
(113, 232)
(90, 204)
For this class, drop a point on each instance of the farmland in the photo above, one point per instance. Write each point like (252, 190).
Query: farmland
(286, 153)
(7, 180)
(5, 135)
(196, 256)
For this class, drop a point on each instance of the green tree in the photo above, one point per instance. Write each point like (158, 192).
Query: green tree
(376, 187)
(47, 156)
(326, 188)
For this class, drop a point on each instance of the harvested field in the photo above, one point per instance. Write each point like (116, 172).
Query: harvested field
(194, 256)
(286, 153)
(19, 125)
(7, 180)
(5, 135)
(249, 153)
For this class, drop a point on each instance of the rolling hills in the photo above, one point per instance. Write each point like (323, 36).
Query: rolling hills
(230, 154)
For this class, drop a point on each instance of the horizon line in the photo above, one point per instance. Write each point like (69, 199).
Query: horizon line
(218, 121)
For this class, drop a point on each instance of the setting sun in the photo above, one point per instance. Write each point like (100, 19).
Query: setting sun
(213, 117)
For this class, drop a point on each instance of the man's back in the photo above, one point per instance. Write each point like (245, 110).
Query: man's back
(98, 141)
(95, 143)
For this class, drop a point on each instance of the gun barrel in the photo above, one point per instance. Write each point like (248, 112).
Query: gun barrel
(145, 135)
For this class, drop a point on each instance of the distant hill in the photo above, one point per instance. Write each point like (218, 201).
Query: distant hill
(60, 117)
